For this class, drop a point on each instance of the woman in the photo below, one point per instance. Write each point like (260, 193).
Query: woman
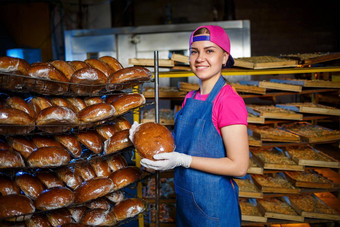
(211, 139)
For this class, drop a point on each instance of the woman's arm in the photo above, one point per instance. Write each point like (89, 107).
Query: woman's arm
(236, 163)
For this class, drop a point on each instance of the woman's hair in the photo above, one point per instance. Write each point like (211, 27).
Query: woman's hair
(202, 31)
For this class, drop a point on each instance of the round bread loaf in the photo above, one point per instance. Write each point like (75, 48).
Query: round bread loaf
(93, 100)
(40, 103)
(71, 143)
(116, 162)
(43, 141)
(23, 145)
(87, 80)
(56, 115)
(135, 73)
(10, 116)
(84, 170)
(54, 198)
(91, 140)
(98, 217)
(30, 185)
(63, 67)
(128, 208)
(15, 205)
(49, 179)
(117, 142)
(93, 189)
(15, 65)
(106, 131)
(100, 167)
(20, 104)
(10, 159)
(153, 138)
(70, 177)
(123, 177)
(100, 203)
(8, 186)
(101, 66)
(38, 220)
(46, 72)
(59, 217)
(49, 157)
(96, 112)
(77, 104)
(112, 62)
(77, 212)
(127, 102)
(78, 65)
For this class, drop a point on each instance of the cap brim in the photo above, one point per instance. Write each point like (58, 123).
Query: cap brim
(230, 62)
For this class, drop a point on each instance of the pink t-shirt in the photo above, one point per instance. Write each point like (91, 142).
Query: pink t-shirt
(228, 107)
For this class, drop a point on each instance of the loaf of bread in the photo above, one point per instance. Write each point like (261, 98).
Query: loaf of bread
(128, 208)
(77, 104)
(100, 167)
(71, 143)
(8, 186)
(14, 65)
(116, 196)
(86, 81)
(96, 112)
(10, 159)
(20, 104)
(78, 65)
(127, 102)
(23, 145)
(59, 217)
(46, 72)
(100, 203)
(122, 123)
(93, 189)
(101, 66)
(63, 67)
(69, 177)
(56, 115)
(49, 157)
(112, 62)
(57, 101)
(91, 140)
(110, 98)
(135, 73)
(29, 184)
(44, 141)
(117, 142)
(99, 217)
(40, 103)
(116, 162)
(92, 100)
(49, 179)
(77, 212)
(54, 198)
(123, 177)
(85, 170)
(152, 138)
(106, 131)
(16, 205)
(38, 220)
(10, 116)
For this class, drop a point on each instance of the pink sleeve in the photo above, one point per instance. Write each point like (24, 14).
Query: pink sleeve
(231, 111)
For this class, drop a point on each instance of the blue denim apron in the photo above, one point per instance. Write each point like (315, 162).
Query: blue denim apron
(203, 199)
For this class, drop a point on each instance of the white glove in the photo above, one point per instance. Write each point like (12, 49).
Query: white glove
(132, 130)
(166, 161)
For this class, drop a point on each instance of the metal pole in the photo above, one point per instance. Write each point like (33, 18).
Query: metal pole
(157, 180)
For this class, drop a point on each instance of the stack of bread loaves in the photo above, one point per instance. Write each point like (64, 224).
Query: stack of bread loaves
(63, 154)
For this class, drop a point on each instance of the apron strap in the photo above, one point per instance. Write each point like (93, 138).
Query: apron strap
(218, 86)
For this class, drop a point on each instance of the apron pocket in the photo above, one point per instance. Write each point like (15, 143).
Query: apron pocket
(191, 210)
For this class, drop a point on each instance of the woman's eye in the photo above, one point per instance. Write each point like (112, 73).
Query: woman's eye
(193, 52)
(210, 51)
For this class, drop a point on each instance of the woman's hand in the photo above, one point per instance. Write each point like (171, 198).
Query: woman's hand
(166, 161)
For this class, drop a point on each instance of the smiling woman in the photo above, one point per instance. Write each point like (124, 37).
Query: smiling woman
(210, 137)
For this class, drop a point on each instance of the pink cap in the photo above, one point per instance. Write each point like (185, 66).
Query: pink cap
(217, 36)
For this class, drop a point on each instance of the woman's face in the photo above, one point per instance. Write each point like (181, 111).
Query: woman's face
(206, 59)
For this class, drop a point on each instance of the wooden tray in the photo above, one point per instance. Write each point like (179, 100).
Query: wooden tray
(264, 62)
(272, 85)
(310, 108)
(309, 156)
(251, 211)
(302, 180)
(273, 186)
(273, 112)
(271, 134)
(184, 86)
(249, 88)
(274, 159)
(254, 166)
(312, 133)
(309, 83)
(313, 58)
(314, 208)
(255, 119)
(255, 142)
(150, 62)
(164, 92)
(247, 188)
(278, 205)
(180, 58)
